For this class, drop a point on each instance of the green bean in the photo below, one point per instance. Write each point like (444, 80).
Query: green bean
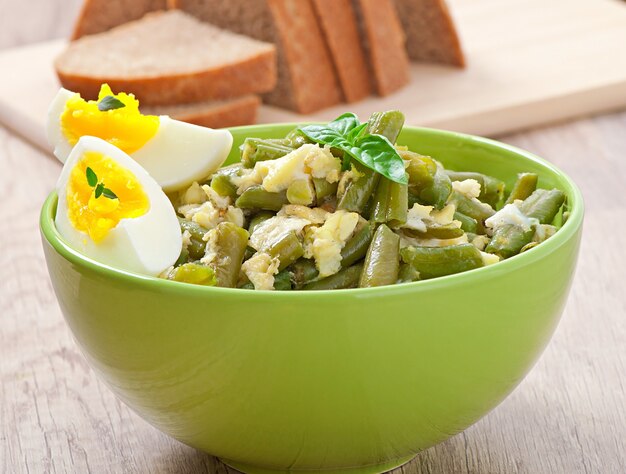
(230, 245)
(256, 197)
(359, 191)
(223, 186)
(543, 205)
(183, 257)
(471, 208)
(288, 249)
(407, 273)
(388, 124)
(381, 262)
(194, 273)
(247, 285)
(437, 231)
(524, 186)
(254, 150)
(421, 169)
(438, 192)
(491, 189)
(304, 271)
(296, 138)
(301, 192)
(432, 262)
(196, 245)
(508, 240)
(468, 224)
(258, 219)
(346, 278)
(390, 204)
(323, 188)
(282, 281)
(356, 248)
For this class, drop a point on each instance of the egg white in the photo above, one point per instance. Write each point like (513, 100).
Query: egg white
(176, 156)
(147, 244)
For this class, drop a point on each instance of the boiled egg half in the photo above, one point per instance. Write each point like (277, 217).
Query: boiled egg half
(111, 210)
(174, 153)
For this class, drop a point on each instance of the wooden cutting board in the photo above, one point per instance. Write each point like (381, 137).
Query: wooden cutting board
(530, 62)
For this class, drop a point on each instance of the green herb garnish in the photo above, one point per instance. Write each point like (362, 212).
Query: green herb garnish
(348, 134)
(110, 103)
(101, 190)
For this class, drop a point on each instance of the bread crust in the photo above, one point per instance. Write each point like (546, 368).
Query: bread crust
(231, 113)
(97, 16)
(431, 34)
(384, 38)
(307, 80)
(254, 75)
(339, 24)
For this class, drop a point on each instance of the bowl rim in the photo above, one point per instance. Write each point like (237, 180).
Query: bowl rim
(566, 232)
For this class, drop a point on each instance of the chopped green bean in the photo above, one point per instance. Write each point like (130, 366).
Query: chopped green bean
(195, 273)
(230, 245)
(346, 278)
(304, 271)
(197, 244)
(282, 281)
(388, 124)
(543, 205)
(323, 189)
(438, 192)
(356, 248)
(254, 150)
(468, 224)
(223, 185)
(256, 197)
(524, 186)
(432, 262)
(381, 262)
(390, 203)
(491, 189)
(359, 191)
(287, 250)
(258, 219)
(508, 240)
(407, 273)
(301, 192)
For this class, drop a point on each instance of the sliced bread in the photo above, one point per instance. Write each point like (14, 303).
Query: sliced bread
(212, 114)
(383, 39)
(339, 24)
(430, 31)
(97, 16)
(168, 58)
(306, 77)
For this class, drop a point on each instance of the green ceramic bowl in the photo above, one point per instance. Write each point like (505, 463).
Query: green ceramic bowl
(348, 380)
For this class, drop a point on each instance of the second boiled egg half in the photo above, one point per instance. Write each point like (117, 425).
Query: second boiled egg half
(174, 153)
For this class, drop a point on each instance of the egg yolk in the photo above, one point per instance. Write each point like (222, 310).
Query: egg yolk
(97, 215)
(124, 127)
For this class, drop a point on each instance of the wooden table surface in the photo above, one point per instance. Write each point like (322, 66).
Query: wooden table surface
(567, 416)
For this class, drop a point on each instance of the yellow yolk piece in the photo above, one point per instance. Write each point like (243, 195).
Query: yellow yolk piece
(96, 216)
(123, 127)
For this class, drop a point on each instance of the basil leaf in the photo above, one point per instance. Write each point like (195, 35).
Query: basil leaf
(110, 103)
(92, 178)
(374, 151)
(345, 123)
(377, 152)
(99, 190)
(326, 136)
(106, 192)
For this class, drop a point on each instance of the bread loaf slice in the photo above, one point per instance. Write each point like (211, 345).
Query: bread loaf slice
(306, 77)
(168, 58)
(383, 38)
(339, 24)
(97, 16)
(430, 31)
(212, 114)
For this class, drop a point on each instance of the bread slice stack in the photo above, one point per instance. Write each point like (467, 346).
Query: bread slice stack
(205, 61)
(170, 59)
